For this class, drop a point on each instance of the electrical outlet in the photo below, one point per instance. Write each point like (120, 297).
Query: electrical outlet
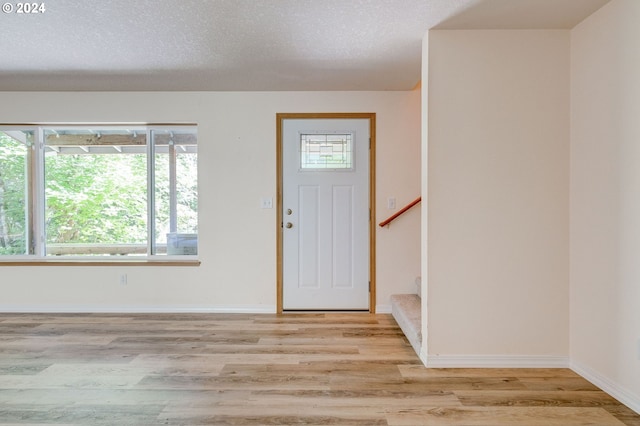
(123, 279)
(266, 203)
(391, 203)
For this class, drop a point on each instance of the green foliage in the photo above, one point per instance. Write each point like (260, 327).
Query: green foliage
(187, 194)
(97, 199)
(13, 160)
(93, 198)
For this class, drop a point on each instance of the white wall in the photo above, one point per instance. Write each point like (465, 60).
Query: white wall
(605, 199)
(237, 239)
(498, 208)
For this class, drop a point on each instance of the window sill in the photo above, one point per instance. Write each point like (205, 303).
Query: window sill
(99, 262)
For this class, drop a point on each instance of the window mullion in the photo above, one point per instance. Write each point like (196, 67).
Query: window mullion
(173, 189)
(30, 167)
(151, 205)
(38, 195)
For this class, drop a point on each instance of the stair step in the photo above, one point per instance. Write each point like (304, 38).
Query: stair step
(407, 311)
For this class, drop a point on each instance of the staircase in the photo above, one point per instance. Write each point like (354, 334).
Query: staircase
(407, 308)
(407, 311)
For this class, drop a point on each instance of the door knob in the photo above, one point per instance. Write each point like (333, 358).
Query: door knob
(289, 225)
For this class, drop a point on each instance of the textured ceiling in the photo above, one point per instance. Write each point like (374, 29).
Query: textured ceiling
(245, 44)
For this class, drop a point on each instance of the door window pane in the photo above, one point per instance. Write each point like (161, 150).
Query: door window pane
(326, 151)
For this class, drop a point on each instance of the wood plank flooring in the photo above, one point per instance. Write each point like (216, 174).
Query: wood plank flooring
(240, 369)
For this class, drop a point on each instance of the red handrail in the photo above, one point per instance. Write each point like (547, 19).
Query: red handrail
(404, 209)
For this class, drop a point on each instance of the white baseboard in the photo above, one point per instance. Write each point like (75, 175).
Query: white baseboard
(620, 393)
(495, 361)
(130, 309)
(133, 309)
(383, 309)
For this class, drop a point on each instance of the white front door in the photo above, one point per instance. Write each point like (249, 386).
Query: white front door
(325, 202)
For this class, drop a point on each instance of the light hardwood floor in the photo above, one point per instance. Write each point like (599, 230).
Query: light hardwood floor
(237, 369)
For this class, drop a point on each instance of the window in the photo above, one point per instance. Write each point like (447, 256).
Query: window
(14, 194)
(326, 152)
(125, 191)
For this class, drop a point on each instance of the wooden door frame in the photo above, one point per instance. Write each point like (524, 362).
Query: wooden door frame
(371, 116)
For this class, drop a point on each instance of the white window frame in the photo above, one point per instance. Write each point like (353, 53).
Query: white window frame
(36, 233)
